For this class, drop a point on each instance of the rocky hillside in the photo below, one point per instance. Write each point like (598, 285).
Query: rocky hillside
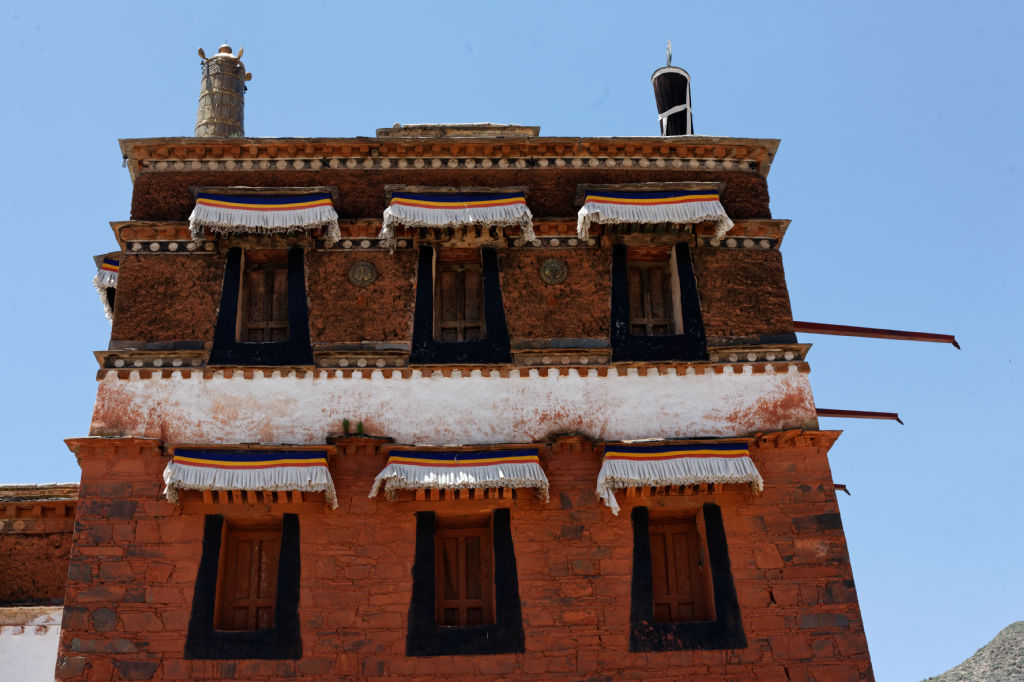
(1001, 660)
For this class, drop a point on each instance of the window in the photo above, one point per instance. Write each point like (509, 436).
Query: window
(655, 306)
(464, 573)
(680, 580)
(263, 308)
(264, 315)
(459, 298)
(653, 300)
(683, 595)
(465, 591)
(247, 580)
(246, 598)
(460, 317)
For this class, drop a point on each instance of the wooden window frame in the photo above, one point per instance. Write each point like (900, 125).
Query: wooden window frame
(494, 345)
(460, 530)
(228, 350)
(461, 262)
(672, 564)
(504, 635)
(686, 342)
(724, 630)
(645, 261)
(282, 641)
(262, 574)
(269, 263)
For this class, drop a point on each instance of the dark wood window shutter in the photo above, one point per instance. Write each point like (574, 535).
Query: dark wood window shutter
(465, 576)
(459, 297)
(680, 577)
(651, 301)
(247, 585)
(264, 309)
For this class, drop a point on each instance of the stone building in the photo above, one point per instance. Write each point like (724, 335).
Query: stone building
(454, 400)
(36, 526)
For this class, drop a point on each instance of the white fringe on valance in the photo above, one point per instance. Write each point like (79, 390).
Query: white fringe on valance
(223, 220)
(683, 213)
(515, 215)
(395, 477)
(307, 479)
(105, 279)
(620, 473)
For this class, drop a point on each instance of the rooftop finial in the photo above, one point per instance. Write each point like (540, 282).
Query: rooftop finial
(221, 95)
(672, 94)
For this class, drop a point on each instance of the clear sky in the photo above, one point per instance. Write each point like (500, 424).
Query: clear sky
(899, 167)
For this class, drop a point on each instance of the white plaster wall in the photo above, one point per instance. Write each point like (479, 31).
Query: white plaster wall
(440, 410)
(28, 642)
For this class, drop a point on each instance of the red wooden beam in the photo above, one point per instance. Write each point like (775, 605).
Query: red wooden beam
(871, 332)
(858, 414)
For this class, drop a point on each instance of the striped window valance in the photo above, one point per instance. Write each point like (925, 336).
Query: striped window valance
(440, 210)
(249, 469)
(107, 268)
(682, 206)
(668, 464)
(448, 469)
(264, 213)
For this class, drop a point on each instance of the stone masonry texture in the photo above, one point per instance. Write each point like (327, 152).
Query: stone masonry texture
(166, 196)
(167, 298)
(34, 552)
(742, 293)
(136, 557)
(163, 298)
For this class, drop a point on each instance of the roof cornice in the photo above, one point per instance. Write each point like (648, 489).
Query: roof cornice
(170, 154)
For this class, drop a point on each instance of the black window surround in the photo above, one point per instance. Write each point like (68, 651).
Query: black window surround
(227, 350)
(283, 641)
(495, 347)
(690, 345)
(725, 632)
(426, 638)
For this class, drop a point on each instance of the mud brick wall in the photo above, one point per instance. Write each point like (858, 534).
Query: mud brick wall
(743, 293)
(166, 195)
(135, 560)
(35, 545)
(341, 312)
(578, 307)
(167, 298)
(175, 298)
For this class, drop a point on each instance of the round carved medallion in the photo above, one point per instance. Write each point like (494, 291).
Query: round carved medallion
(554, 270)
(362, 273)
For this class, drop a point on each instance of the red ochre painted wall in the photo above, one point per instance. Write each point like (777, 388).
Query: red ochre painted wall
(35, 543)
(135, 559)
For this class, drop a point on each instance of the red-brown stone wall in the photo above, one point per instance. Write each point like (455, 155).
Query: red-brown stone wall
(167, 298)
(135, 560)
(742, 293)
(35, 544)
(340, 312)
(578, 307)
(166, 195)
(171, 298)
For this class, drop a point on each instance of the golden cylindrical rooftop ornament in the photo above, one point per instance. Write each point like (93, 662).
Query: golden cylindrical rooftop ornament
(222, 95)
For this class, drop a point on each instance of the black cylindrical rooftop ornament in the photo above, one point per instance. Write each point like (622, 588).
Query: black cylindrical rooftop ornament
(672, 94)
(222, 95)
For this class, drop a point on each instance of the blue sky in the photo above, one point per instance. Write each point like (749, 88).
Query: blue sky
(899, 166)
